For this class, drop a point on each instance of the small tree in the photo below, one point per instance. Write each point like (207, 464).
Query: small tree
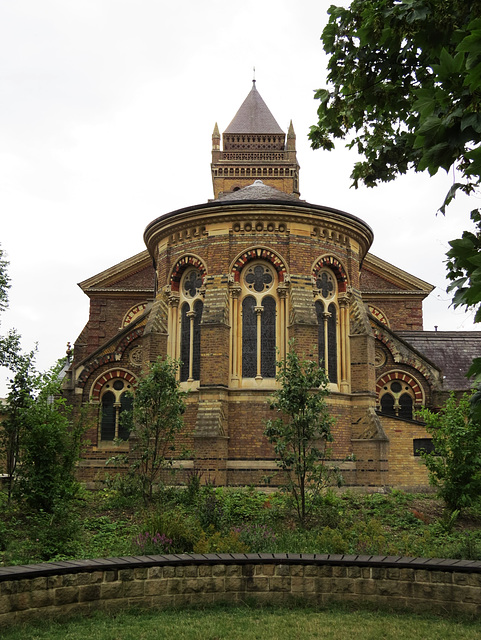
(48, 443)
(455, 464)
(300, 434)
(155, 420)
(12, 427)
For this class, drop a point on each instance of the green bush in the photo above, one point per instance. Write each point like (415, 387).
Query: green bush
(184, 530)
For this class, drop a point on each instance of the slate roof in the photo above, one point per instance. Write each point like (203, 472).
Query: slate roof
(254, 116)
(257, 191)
(451, 351)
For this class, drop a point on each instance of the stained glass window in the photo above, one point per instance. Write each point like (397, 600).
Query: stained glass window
(406, 406)
(387, 404)
(192, 283)
(332, 343)
(249, 338)
(321, 336)
(258, 278)
(184, 342)
(107, 427)
(325, 284)
(268, 338)
(327, 324)
(198, 308)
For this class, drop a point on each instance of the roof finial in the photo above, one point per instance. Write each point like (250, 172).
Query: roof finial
(254, 78)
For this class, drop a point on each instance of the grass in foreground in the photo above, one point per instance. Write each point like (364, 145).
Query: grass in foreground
(267, 623)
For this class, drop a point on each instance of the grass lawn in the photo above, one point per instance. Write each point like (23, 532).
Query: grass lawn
(250, 623)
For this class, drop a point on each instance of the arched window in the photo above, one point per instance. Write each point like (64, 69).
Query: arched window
(259, 320)
(191, 307)
(115, 398)
(327, 322)
(396, 398)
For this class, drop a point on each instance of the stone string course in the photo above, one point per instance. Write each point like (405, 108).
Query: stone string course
(79, 587)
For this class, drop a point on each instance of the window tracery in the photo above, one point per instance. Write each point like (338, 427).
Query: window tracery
(258, 285)
(115, 398)
(331, 301)
(399, 394)
(185, 315)
(327, 322)
(258, 322)
(191, 308)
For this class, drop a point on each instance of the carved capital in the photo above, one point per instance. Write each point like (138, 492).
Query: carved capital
(235, 290)
(174, 299)
(344, 300)
(282, 290)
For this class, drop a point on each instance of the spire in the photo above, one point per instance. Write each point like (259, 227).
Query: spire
(215, 138)
(254, 116)
(291, 140)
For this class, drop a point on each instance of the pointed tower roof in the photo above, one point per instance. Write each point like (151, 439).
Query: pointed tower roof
(254, 116)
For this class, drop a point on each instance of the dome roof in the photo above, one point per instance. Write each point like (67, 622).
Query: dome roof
(257, 191)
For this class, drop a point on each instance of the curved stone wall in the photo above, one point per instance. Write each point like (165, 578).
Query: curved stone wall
(112, 584)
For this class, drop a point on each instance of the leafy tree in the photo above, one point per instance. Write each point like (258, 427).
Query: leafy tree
(300, 433)
(47, 442)
(455, 464)
(10, 350)
(13, 426)
(405, 88)
(154, 422)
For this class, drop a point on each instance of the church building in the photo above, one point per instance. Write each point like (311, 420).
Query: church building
(225, 285)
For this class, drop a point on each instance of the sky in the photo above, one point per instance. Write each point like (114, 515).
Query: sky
(107, 109)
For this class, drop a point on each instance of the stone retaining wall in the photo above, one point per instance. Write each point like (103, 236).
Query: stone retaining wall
(417, 584)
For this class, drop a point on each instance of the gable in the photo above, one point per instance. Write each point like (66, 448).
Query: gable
(134, 274)
(380, 276)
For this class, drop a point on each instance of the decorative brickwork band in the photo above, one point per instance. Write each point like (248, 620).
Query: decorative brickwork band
(114, 355)
(260, 254)
(336, 267)
(405, 378)
(181, 265)
(111, 375)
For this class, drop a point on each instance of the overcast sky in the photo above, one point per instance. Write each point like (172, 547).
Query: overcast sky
(106, 114)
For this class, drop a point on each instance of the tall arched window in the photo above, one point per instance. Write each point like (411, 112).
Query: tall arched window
(191, 307)
(115, 398)
(327, 322)
(259, 320)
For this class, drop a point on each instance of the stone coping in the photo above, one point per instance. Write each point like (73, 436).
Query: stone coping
(29, 571)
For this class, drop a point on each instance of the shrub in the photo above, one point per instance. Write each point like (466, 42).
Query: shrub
(217, 542)
(157, 544)
(184, 530)
(455, 465)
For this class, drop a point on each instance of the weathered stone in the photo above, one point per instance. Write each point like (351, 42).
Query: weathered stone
(257, 584)
(280, 583)
(66, 595)
(89, 592)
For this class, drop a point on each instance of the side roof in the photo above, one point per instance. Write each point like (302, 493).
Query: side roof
(451, 351)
